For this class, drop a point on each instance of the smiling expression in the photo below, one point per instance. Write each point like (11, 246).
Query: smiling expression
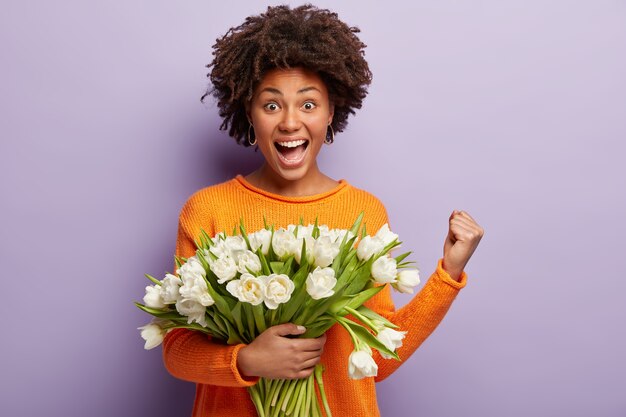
(290, 112)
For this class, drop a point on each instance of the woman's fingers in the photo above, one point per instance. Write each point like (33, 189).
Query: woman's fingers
(310, 345)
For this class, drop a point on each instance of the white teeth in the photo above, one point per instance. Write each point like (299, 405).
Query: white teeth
(292, 144)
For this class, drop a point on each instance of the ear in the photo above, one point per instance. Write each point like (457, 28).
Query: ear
(331, 112)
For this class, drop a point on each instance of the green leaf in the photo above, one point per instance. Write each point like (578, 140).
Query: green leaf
(298, 297)
(304, 262)
(286, 269)
(372, 315)
(233, 336)
(316, 230)
(237, 316)
(345, 251)
(364, 335)
(400, 258)
(347, 271)
(153, 311)
(264, 265)
(179, 261)
(215, 330)
(355, 301)
(153, 279)
(220, 322)
(259, 319)
(242, 229)
(247, 309)
(206, 237)
(276, 266)
(357, 224)
(221, 304)
(361, 277)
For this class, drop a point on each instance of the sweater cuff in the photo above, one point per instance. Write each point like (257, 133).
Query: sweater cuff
(242, 380)
(443, 275)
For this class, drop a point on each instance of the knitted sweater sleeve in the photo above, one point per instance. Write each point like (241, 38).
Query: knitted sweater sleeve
(193, 356)
(419, 317)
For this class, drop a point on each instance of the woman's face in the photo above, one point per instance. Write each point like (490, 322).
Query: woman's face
(290, 112)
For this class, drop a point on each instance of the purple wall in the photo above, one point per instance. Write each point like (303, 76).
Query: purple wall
(514, 111)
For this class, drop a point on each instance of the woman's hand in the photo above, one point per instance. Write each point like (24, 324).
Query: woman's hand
(273, 355)
(463, 237)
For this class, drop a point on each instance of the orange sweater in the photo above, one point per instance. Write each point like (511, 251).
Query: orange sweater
(220, 388)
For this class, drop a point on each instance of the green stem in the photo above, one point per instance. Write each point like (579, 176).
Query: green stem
(292, 386)
(315, 405)
(311, 391)
(320, 384)
(281, 382)
(256, 399)
(344, 322)
(361, 317)
(294, 407)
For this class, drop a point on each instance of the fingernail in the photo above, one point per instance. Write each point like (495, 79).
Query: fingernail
(301, 328)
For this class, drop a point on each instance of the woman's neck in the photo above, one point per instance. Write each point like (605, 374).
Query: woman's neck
(315, 182)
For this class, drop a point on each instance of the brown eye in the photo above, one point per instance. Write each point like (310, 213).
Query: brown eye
(271, 106)
(309, 105)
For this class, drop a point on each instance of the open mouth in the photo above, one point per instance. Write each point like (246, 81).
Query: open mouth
(292, 151)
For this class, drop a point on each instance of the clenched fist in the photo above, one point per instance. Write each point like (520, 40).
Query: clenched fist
(464, 234)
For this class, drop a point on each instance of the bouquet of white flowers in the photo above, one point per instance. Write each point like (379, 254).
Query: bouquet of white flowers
(236, 286)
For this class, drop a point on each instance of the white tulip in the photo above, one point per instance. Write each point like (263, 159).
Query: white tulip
(170, 289)
(369, 246)
(278, 289)
(361, 364)
(284, 243)
(392, 339)
(196, 289)
(260, 239)
(236, 245)
(407, 280)
(300, 231)
(324, 252)
(248, 288)
(337, 235)
(192, 268)
(193, 310)
(224, 268)
(219, 248)
(320, 283)
(384, 270)
(324, 230)
(153, 298)
(310, 245)
(153, 334)
(248, 260)
(386, 235)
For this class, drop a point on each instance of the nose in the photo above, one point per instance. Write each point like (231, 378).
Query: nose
(290, 121)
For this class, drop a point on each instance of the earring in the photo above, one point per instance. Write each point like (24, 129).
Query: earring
(330, 135)
(251, 138)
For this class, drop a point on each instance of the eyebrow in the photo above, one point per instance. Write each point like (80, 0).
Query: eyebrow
(277, 91)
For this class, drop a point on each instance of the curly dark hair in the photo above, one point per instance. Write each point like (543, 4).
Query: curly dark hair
(285, 38)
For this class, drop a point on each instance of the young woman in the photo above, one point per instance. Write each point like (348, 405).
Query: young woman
(286, 81)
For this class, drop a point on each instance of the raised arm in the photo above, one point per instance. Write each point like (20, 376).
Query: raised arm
(421, 316)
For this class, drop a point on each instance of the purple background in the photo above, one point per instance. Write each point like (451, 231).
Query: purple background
(514, 111)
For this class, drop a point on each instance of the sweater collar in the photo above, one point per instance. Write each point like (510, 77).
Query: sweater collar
(240, 180)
